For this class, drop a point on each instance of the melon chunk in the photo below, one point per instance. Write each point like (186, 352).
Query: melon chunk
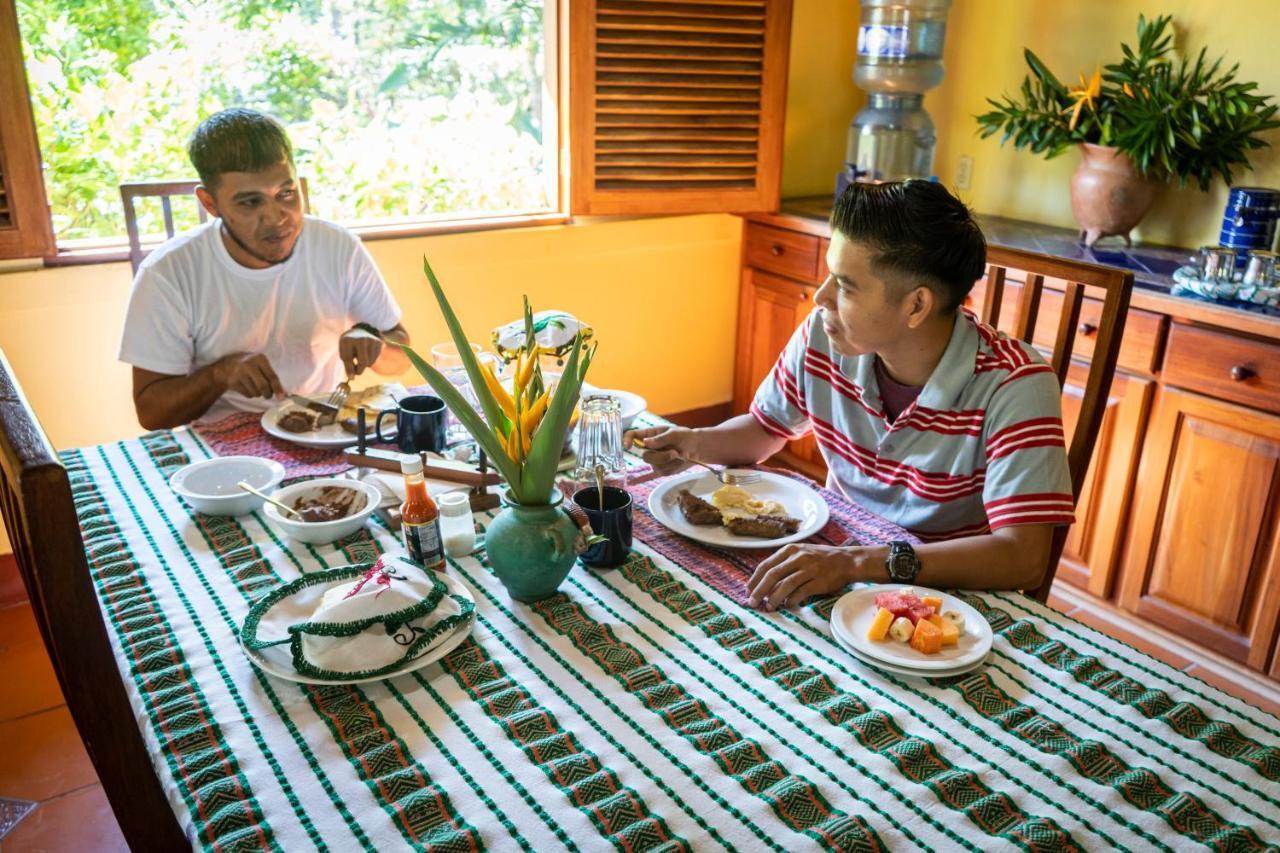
(927, 638)
(933, 601)
(950, 633)
(880, 625)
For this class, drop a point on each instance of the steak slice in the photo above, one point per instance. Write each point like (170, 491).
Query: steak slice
(298, 420)
(763, 526)
(696, 510)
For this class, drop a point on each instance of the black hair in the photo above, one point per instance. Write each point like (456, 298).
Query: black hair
(921, 234)
(237, 140)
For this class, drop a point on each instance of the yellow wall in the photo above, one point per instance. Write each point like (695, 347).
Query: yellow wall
(983, 58)
(660, 293)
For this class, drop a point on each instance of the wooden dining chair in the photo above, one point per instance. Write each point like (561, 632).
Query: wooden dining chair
(1114, 286)
(40, 517)
(166, 191)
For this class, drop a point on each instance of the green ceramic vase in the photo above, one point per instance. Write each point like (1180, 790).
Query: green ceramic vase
(531, 548)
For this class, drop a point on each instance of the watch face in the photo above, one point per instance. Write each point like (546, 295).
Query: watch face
(902, 566)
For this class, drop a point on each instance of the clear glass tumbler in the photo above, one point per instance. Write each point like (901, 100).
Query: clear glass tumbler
(599, 443)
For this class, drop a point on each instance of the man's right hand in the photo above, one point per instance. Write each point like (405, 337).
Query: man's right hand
(667, 449)
(249, 375)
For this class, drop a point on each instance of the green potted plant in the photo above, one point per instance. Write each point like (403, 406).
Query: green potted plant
(1145, 120)
(533, 542)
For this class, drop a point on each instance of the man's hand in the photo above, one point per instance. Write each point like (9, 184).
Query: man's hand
(250, 375)
(665, 448)
(799, 571)
(358, 350)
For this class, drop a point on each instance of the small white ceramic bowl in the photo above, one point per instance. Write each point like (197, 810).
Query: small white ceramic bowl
(630, 404)
(322, 532)
(209, 486)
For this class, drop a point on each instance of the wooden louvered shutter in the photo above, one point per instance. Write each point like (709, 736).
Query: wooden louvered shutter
(676, 106)
(25, 229)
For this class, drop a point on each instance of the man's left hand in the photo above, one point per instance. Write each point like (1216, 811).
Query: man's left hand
(358, 350)
(799, 571)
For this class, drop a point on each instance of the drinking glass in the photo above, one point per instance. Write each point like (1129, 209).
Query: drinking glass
(1216, 264)
(599, 443)
(445, 358)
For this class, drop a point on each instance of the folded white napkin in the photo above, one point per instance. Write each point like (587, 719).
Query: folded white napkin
(358, 621)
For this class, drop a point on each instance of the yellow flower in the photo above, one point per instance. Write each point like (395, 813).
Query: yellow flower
(1127, 90)
(1086, 93)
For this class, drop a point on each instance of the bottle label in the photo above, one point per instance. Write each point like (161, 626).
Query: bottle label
(422, 541)
(882, 41)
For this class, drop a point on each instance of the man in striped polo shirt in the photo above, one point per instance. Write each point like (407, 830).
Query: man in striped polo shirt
(924, 415)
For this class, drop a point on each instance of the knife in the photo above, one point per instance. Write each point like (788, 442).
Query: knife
(313, 405)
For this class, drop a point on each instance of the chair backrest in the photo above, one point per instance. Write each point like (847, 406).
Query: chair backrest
(1115, 286)
(40, 517)
(166, 191)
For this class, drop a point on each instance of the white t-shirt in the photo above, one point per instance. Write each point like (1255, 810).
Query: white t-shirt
(192, 304)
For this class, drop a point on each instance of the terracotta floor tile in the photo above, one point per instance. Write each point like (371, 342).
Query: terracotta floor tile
(1060, 604)
(11, 589)
(1155, 648)
(1242, 691)
(79, 821)
(24, 663)
(41, 756)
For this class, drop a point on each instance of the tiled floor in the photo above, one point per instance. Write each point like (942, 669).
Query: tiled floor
(41, 757)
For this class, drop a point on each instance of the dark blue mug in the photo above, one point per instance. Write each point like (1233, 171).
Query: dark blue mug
(613, 522)
(420, 424)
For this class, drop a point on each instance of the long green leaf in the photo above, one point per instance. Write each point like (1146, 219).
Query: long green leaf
(459, 406)
(544, 454)
(492, 411)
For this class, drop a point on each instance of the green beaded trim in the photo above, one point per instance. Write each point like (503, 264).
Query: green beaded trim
(249, 633)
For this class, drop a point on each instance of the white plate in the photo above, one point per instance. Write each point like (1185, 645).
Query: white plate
(278, 661)
(902, 670)
(799, 500)
(330, 435)
(853, 613)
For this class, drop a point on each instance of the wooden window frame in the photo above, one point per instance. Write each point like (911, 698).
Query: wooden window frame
(26, 230)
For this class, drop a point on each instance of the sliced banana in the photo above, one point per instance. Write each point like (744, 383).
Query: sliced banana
(955, 617)
(901, 629)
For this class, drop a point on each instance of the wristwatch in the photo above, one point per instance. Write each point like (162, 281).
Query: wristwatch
(902, 562)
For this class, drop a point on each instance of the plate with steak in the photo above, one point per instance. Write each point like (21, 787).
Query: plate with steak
(773, 511)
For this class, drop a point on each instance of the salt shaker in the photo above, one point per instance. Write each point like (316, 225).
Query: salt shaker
(457, 527)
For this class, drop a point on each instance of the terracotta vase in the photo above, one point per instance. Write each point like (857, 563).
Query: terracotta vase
(1108, 195)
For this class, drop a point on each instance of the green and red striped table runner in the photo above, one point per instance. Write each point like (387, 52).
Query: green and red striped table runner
(644, 709)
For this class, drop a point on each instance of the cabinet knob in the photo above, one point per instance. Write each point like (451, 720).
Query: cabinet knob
(775, 249)
(1240, 372)
(1087, 329)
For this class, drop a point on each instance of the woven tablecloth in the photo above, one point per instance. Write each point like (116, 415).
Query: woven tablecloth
(641, 709)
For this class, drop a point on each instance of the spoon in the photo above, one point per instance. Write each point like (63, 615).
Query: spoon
(251, 490)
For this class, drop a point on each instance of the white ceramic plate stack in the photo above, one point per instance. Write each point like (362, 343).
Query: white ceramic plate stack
(853, 613)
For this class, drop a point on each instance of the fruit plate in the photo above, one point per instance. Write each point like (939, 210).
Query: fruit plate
(853, 613)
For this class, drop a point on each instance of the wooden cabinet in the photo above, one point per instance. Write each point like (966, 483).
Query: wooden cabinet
(1091, 555)
(1205, 546)
(770, 308)
(1179, 518)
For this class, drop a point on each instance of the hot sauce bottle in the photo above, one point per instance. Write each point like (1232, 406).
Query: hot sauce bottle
(420, 520)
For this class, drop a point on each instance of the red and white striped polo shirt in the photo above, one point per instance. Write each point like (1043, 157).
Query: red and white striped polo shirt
(981, 448)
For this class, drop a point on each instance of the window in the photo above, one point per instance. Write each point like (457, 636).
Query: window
(403, 110)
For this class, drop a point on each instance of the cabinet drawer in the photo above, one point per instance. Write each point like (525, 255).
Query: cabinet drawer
(781, 251)
(1139, 346)
(1225, 366)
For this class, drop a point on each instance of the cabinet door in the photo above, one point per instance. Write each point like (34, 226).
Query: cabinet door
(1091, 555)
(1204, 544)
(769, 311)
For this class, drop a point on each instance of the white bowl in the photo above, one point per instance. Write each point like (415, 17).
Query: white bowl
(631, 404)
(210, 486)
(322, 532)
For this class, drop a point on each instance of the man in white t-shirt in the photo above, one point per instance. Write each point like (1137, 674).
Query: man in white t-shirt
(261, 301)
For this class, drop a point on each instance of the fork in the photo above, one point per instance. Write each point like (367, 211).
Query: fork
(339, 395)
(729, 478)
